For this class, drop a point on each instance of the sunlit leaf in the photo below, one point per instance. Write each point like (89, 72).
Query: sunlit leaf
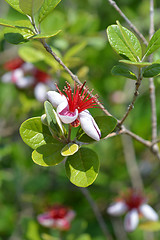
(124, 42)
(150, 226)
(154, 43)
(30, 54)
(82, 167)
(48, 154)
(6, 23)
(15, 5)
(152, 71)
(47, 8)
(34, 133)
(137, 64)
(69, 149)
(123, 71)
(30, 7)
(46, 35)
(75, 49)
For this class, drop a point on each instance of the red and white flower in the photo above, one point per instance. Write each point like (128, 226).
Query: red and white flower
(72, 108)
(58, 217)
(25, 75)
(134, 204)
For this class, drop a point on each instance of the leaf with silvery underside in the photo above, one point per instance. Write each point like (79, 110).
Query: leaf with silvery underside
(47, 7)
(34, 133)
(53, 120)
(137, 64)
(106, 125)
(30, 7)
(15, 5)
(46, 35)
(152, 71)
(153, 44)
(121, 70)
(69, 149)
(119, 44)
(82, 167)
(48, 154)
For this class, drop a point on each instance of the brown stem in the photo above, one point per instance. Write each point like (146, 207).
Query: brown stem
(113, 3)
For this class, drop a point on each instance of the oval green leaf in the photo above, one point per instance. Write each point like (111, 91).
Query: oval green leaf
(48, 154)
(6, 23)
(82, 167)
(150, 226)
(123, 71)
(30, 54)
(124, 42)
(154, 43)
(69, 149)
(137, 64)
(34, 133)
(30, 7)
(47, 8)
(46, 35)
(152, 71)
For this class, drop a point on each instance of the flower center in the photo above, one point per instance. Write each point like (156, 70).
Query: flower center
(134, 200)
(58, 212)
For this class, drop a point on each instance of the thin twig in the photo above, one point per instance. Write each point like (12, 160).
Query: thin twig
(97, 213)
(131, 163)
(136, 93)
(113, 3)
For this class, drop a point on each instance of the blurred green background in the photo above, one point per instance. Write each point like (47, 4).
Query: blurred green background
(27, 189)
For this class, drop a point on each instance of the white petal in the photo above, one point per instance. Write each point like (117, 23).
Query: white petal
(55, 98)
(25, 82)
(89, 125)
(131, 220)
(45, 220)
(65, 115)
(40, 92)
(117, 208)
(148, 212)
(7, 77)
(27, 67)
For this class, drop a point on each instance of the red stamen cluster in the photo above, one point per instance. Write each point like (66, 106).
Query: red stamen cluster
(58, 212)
(13, 64)
(80, 99)
(134, 199)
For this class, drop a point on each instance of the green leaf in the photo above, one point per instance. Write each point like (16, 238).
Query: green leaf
(123, 42)
(34, 133)
(46, 35)
(154, 43)
(150, 226)
(132, 42)
(53, 120)
(82, 167)
(48, 154)
(30, 54)
(30, 7)
(106, 125)
(137, 64)
(15, 5)
(69, 149)
(47, 8)
(75, 49)
(152, 71)
(123, 71)
(6, 23)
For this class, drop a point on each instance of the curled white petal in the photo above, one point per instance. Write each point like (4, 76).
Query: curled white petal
(17, 75)
(55, 98)
(89, 125)
(148, 212)
(45, 220)
(117, 208)
(27, 67)
(65, 115)
(25, 82)
(7, 77)
(40, 92)
(131, 220)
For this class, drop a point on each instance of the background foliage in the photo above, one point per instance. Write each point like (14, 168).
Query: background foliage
(26, 188)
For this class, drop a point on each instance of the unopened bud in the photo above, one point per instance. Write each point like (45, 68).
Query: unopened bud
(44, 119)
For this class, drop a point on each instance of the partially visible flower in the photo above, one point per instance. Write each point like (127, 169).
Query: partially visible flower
(58, 217)
(134, 204)
(25, 75)
(72, 108)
